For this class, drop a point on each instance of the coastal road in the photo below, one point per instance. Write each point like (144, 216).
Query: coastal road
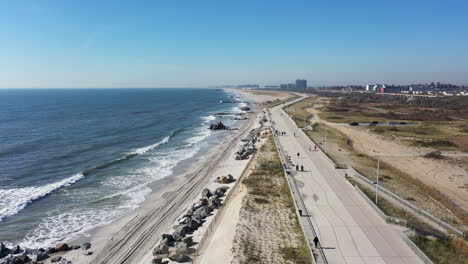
(350, 231)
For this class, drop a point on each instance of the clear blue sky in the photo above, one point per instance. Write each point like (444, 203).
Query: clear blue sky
(203, 43)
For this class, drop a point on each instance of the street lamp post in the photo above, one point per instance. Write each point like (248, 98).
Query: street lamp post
(377, 185)
(325, 139)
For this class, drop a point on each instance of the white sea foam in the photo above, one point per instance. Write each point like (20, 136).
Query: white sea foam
(209, 118)
(129, 190)
(71, 224)
(143, 150)
(15, 199)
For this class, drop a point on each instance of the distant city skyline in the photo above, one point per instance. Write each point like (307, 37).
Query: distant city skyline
(109, 44)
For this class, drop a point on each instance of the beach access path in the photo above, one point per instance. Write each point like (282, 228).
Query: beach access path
(350, 231)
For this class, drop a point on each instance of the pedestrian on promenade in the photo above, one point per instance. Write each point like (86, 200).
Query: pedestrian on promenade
(315, 147)
(302, 167)
(298, 154)
(297, 167)
(316, 241)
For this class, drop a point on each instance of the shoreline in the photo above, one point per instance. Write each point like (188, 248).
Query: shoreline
(161, 192)
(121, 240)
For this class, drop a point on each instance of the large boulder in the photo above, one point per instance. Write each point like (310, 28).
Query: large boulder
(16, 250)
(188, 241)
(181, 247)
(4, 251)
(50, 250)
(86, 246)
(217, 126)
(214, 202)
(206, 193)
(220, 191)
(244, 108)
(203, 201)
(62, 247)
(18, 259)
(56, 259)
(157, 260)
(180, 232)
(193, 224)
(178, 257)
(161, 249)
(225, 179)
(40, 256)
(201, 212)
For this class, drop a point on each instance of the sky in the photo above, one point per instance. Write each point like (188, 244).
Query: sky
(105, 44)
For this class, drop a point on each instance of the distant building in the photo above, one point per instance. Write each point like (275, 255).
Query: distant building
(283, 86)
(291, 86)
(301, 84)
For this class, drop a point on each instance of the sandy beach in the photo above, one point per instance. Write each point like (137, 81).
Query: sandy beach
(131, 238)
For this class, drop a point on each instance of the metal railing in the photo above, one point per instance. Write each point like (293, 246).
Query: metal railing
(414, 208)
(290, 178)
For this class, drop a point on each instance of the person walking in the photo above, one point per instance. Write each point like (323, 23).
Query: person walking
(297, 167)
(316, 241)
(315, 147)
(302, 167)
(298, 154)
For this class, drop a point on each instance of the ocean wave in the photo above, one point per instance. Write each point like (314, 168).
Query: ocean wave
(130, 190)
(209, 118)
(143, 150)
(15, 199)
(66, 226)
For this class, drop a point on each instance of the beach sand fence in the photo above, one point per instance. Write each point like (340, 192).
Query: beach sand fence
(215, 220)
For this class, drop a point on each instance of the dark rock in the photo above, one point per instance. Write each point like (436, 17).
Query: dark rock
(201, 213)
(62, 247)
(160, 249)
(219, 192)
(50, 250)
(40, 256)
(169, 237)
(86, 246)
(203, 201)
(193, 224)
(180, 232)
(214, 201)
(244, 108)
(188, 241)
(56, 259)
(64, 261)
(4, 251)
(217, 126)
(20, 259)
(16, 250)
(156, 261)
(88, 253)
(206, 193)
(75, 247)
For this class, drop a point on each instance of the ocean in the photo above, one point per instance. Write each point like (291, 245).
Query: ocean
(74, 159)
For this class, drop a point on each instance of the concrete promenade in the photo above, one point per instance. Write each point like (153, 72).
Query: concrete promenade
(349, 230)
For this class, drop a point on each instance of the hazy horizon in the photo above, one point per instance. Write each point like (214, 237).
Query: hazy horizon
(108, 44)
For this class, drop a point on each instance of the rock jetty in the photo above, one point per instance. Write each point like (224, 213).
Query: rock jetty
(176, 246)
(217, 126)
(19, 255)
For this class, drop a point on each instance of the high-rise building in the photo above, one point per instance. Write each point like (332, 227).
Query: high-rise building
(283, 86)
(291, 86)
(301, 84)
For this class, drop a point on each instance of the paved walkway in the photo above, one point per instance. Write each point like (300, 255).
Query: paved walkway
(349, 230)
